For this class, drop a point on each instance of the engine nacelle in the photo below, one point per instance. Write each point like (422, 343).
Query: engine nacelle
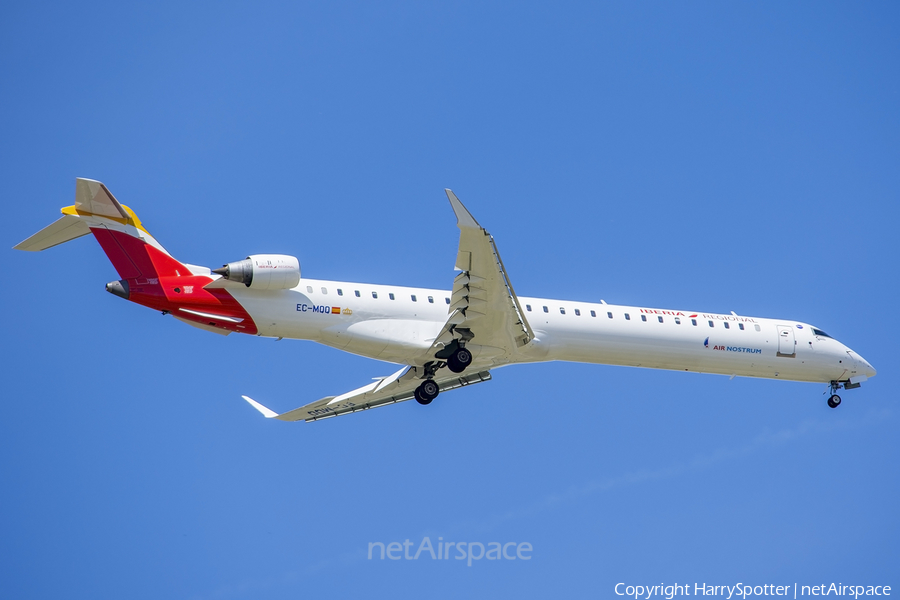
(264, 271)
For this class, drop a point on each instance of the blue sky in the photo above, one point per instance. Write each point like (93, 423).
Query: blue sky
(697, 156)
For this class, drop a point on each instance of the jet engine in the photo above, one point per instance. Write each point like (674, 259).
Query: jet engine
(264, 272)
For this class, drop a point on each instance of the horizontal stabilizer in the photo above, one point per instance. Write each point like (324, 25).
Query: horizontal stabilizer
(65, 228)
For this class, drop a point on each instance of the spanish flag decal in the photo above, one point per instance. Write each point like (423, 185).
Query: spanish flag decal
(335, 310)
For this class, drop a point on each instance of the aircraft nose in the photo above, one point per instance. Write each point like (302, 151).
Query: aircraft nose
(867, 369)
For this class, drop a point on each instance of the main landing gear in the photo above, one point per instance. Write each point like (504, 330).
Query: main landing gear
(456, 355)
(459, 360)
(427, 392)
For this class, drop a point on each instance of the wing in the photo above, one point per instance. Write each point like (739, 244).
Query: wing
(398, 387)
(484, 315)
(484, 311)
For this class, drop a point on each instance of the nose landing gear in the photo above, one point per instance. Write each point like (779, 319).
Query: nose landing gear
(834, 400)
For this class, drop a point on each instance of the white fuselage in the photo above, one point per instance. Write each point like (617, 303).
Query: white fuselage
(396, 324)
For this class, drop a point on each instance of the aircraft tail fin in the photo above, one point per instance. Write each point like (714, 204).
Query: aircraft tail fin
(128, 245)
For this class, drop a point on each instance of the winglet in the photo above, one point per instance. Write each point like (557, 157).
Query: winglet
(463, 217)
(269, 414)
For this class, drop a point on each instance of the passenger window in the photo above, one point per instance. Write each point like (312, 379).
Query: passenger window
(309, 289)
(546, 309)
(694, 322)
(627, 317)
(413, 297)
(577, 312)
(324, 291)
(562, 311)
(447, 300)
(678, 320)
(644, 318)
(431, 299)
(756, 327)
(609, 314)
(375, 294)
(356, 292)
(593, 313)
(741, 326)
(340, 292)
(660, 319)
(711, 324)
(528, 307)
(727, 325)
(391, 295)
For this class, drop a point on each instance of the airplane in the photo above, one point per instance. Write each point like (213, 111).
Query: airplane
(444, 339)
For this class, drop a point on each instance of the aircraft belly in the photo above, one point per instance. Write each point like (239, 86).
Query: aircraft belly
(392, 339)
(726, 353)
(279, 314)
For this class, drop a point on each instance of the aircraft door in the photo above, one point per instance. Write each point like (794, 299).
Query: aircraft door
(786, 341)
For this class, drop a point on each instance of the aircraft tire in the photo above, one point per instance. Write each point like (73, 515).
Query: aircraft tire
(430, 389)
(421, 399)
(427, 392)
(461, 359)
(834, 401)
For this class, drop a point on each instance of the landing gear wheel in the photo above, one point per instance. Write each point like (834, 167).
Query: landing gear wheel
(420, 399)
(834, 401)
(459, 360)
(426, 392)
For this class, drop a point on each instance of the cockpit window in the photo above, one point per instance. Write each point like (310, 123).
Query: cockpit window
(820, 333)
